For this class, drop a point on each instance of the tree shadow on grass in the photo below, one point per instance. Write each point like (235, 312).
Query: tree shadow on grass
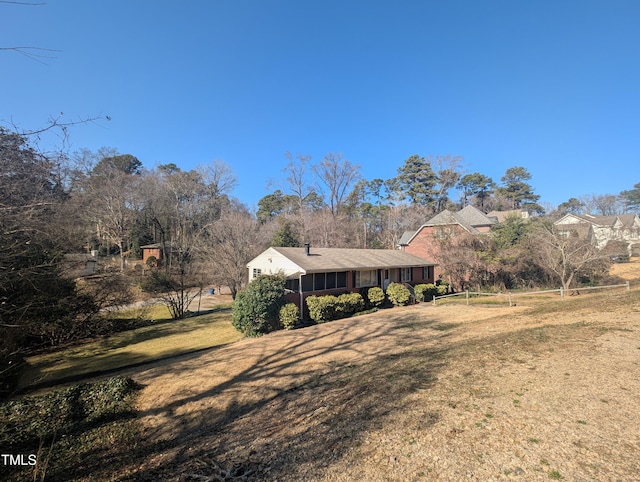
(274, 416)
(304, 401)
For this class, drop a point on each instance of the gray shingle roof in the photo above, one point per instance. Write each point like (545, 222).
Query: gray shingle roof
(474, 217)
(446, 217)
(405, 238)
(345, 259)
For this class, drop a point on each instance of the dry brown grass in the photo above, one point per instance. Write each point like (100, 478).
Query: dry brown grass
(417, 393)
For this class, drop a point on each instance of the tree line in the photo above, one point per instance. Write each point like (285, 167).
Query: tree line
(53, 205)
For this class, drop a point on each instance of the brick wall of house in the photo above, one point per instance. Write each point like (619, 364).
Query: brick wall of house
(425, 246)
(148, 252)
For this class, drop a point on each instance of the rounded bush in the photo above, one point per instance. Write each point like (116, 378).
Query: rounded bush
(443, 289)
(289, 316)
(375, 296)
(349, 303)
(426, 291)
(322, 308)
(256, 309)
(398, 294)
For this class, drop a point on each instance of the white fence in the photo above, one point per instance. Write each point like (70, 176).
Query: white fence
(467, 294)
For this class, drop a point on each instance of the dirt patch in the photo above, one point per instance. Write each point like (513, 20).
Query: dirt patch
(418, 393)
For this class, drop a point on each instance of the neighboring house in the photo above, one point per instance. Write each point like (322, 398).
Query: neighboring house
(427, 242)
(600, 230)
(321, 271)
(500, 216)
(154, 250)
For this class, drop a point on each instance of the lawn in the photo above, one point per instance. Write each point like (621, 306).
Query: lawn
(164, 339)
(542, 390)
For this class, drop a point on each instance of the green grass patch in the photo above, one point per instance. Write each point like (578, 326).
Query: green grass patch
(160, 340)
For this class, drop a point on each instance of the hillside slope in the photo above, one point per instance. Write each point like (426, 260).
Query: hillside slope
(416, 393)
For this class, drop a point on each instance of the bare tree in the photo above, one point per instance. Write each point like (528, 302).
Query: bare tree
(603, 204)
(566, 255)
(296, 177)
(111, 200)
(448, 170)
(231, 242)
(337, 175)
(178, 286)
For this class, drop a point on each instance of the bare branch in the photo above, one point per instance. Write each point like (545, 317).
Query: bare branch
(31, 53)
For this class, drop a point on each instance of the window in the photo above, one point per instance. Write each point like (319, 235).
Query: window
(318, 281)
(256, 272)
(307, 282)
(331, 281)
(427, 272)
(366, 278)
(341, 279)
(405, 275)
(292, 284)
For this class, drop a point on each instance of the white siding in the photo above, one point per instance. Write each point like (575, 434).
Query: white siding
(272, 262)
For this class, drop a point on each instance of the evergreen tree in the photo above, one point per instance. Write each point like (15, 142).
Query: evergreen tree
(631, 198)
(477, 186)
(417, 180)
(515, 190)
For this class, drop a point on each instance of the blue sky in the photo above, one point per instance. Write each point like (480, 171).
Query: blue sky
(550, 85)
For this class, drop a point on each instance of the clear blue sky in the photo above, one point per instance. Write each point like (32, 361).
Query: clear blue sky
(550, 85)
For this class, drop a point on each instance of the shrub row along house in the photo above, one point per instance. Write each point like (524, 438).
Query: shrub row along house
(322, 271)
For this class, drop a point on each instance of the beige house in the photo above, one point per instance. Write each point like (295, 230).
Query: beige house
(603, 229)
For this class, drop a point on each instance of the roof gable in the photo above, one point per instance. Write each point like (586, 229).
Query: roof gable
(474, 217)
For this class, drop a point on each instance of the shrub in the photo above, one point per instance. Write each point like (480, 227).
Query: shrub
(426, 291)
(328, 307)
(375, 296)
(256, 309)
(289, 316)
(442, 289)
(30, 420)
(349, 303)
(398, 294)
(152, 262)
(322, 308)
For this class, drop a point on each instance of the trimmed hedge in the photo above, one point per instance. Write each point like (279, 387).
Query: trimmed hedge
(349, 303)
(398, 294)
(425, 291)
(328, 307)
(289, 316)
(322, 308)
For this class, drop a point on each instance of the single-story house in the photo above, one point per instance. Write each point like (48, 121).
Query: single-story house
(321, 271)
